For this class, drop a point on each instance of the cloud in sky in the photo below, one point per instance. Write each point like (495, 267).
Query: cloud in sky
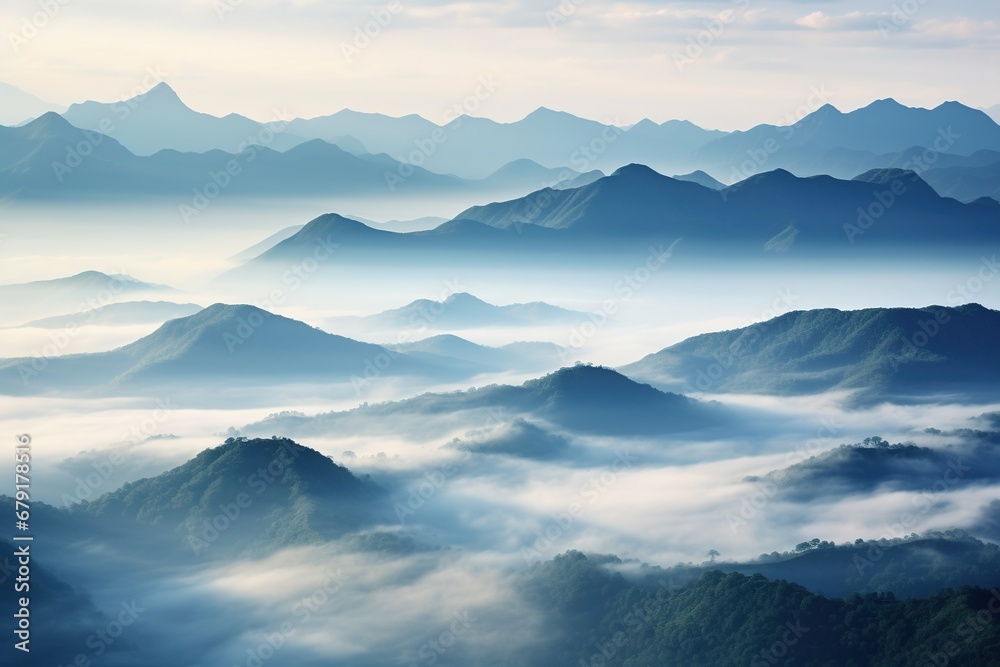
(749, 62)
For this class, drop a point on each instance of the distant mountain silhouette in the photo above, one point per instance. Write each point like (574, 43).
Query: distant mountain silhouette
(18, 106)
(583, 399)
(465, 311)
(885, 126)
(43, 160)
(701, 178)
(218, 346)
(228, 347)
(278, 494)
(967, 182)
(520, 439)
(475, 148)
(74, 294)
(827, 213)
(881, 353)
(158, 120)
(527, 175)
(517, 357)
(119, 314)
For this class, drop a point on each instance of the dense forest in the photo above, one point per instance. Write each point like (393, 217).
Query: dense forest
(602, 618)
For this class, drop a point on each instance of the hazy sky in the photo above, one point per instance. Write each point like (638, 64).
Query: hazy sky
(758, 60)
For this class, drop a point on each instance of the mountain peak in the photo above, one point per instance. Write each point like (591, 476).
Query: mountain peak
(546, 114)
(48, 124)
(635, 170)
(464, 298)
(300, 481)
(226, 310)
(161, 92)
(588, 381)
(889, 176)
(827, 110)
(644, 125)
(887, 103)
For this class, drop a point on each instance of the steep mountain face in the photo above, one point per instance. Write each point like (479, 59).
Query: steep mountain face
(527, 175)
(344, 241)
(247, 496)
(882, 353)
(634, 199)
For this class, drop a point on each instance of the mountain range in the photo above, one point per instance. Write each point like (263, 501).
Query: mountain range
(476, 147)
(877, 354)
(51, 159)
(154, 144)
(881, 206)
(819, 215)
(158, 120)
(227, 347)
(218, 345)
(581, 399)
(812, 144)
(465, 311)
(75, 294)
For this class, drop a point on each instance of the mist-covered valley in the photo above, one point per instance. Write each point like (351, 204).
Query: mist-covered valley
(353, 388)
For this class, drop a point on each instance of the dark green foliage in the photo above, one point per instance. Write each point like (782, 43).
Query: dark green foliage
(259, 495)
(732, 619)
(875, 465)
(884, 353)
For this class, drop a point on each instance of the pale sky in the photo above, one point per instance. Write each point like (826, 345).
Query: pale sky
(759, 60)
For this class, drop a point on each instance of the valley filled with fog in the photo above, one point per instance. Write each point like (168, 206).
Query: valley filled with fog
(506, 404)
